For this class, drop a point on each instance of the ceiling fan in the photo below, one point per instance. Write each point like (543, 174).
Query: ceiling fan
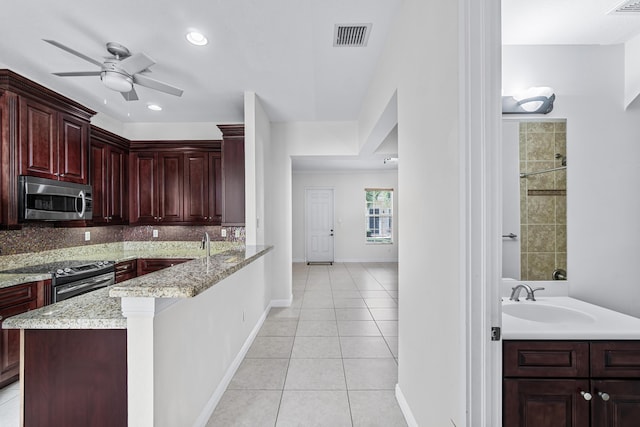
(120, 72)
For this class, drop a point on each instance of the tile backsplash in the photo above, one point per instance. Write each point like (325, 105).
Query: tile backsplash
(39, 237)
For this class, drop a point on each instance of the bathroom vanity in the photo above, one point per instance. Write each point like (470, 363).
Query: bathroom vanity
(569, 363)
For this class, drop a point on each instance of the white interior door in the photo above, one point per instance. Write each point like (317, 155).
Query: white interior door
(511, 199)
(319, 224)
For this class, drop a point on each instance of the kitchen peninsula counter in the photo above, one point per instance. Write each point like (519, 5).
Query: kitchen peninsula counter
(101, 309)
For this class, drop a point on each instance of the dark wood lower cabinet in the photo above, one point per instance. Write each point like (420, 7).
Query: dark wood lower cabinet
(16, 300)
(571, 384)
(126, 270)
(545, 403)
(149, 265)
(75, 377)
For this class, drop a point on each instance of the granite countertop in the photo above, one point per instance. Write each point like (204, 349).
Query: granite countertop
(101, 309)
(111, 252)
(191, 278)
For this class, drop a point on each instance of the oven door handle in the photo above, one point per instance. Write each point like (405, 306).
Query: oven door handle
(94, 283)
(84, 204)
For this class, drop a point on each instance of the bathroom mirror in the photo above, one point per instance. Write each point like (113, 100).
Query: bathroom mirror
(534, 234)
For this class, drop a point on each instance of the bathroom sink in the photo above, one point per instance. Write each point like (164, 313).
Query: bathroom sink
(545, 313)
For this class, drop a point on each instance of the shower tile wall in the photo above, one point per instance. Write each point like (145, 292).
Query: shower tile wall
(543, 200)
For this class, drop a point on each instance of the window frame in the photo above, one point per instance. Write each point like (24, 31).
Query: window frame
(381, 219)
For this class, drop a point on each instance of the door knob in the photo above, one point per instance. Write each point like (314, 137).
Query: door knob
(587, 396)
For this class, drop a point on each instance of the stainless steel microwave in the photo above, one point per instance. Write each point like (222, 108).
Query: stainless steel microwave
(41, 199)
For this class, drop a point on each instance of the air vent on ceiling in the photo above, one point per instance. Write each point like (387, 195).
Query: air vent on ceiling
(626, 7)
(351, 35)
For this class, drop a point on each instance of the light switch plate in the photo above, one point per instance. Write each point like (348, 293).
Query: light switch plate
(223, 232)
(237, 233)
(87, 236)
(155, 233)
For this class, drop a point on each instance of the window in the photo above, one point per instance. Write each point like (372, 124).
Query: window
(379, 215)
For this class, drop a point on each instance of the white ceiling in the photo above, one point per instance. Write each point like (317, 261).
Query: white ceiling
(280, 49)
(566, 22)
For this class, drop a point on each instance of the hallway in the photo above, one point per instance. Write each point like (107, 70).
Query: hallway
(328, 360)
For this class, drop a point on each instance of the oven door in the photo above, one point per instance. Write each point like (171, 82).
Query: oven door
(72, 289)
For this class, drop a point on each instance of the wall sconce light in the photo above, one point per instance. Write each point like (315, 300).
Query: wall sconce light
(535, 100)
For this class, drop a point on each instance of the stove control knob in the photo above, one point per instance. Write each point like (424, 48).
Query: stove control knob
(106, 263)
(59, 271)
(67, 270)
(100, 262)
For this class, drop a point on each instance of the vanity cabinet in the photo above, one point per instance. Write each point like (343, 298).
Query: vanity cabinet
(16, 300)
(109, 177)
(571, 383)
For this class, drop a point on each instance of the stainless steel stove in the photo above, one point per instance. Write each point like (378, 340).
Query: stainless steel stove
(72, 278)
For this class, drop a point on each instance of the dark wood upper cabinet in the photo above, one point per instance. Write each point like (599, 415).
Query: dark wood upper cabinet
(109, 177)
(175, 182)
(233, 189)
(42, 133)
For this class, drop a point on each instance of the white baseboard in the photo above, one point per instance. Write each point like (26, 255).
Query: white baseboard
(362, 260)
(282, 302)
(404, 407)
(213, 401)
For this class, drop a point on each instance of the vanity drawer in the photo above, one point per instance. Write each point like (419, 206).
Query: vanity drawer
(615, 359)
(546, 359)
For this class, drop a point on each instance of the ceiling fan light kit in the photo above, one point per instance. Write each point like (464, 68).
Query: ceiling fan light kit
(116, 81)
(121, 72)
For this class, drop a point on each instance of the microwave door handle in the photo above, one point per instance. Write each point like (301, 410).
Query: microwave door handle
(84, 204)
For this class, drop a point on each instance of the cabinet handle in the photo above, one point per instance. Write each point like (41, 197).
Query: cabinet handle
(604, 396)
(110, 218)
(61, 174)
(587, 396)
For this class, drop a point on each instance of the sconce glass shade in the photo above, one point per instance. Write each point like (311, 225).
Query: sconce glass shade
(535, 100)
(116, 81)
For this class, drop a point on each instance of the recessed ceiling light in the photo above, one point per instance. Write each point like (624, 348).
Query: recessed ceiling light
(197, 38)
(154, 107)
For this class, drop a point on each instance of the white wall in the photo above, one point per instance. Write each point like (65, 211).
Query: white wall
(349, 223)
(603, 164)
(181, 358)
(422, 61)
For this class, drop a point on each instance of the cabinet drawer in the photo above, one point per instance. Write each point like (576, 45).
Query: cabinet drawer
(546, 359)
(615, 359)
(149, 265)
(126, 270)
(18, 294)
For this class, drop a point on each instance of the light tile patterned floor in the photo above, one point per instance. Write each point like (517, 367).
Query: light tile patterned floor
(328, 360)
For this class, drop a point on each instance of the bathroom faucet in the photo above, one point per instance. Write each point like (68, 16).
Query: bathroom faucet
(515, 292)
(206, 243)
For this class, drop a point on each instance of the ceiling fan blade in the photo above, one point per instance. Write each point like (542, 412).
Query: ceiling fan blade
(73, 52)
(136, 63)
(155, 84)
(78, 73)
(130, 96)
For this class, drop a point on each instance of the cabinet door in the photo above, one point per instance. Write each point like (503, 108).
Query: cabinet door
(99, 181)
(73, 138)
(233, 181)
(170, 182)
(196, 187)
(616, 403)
(143, 188)
(38, 140)
(126, 270)
(215, 187)
(545, 403)
(117, 197)
(13, 300)
(149, 265)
